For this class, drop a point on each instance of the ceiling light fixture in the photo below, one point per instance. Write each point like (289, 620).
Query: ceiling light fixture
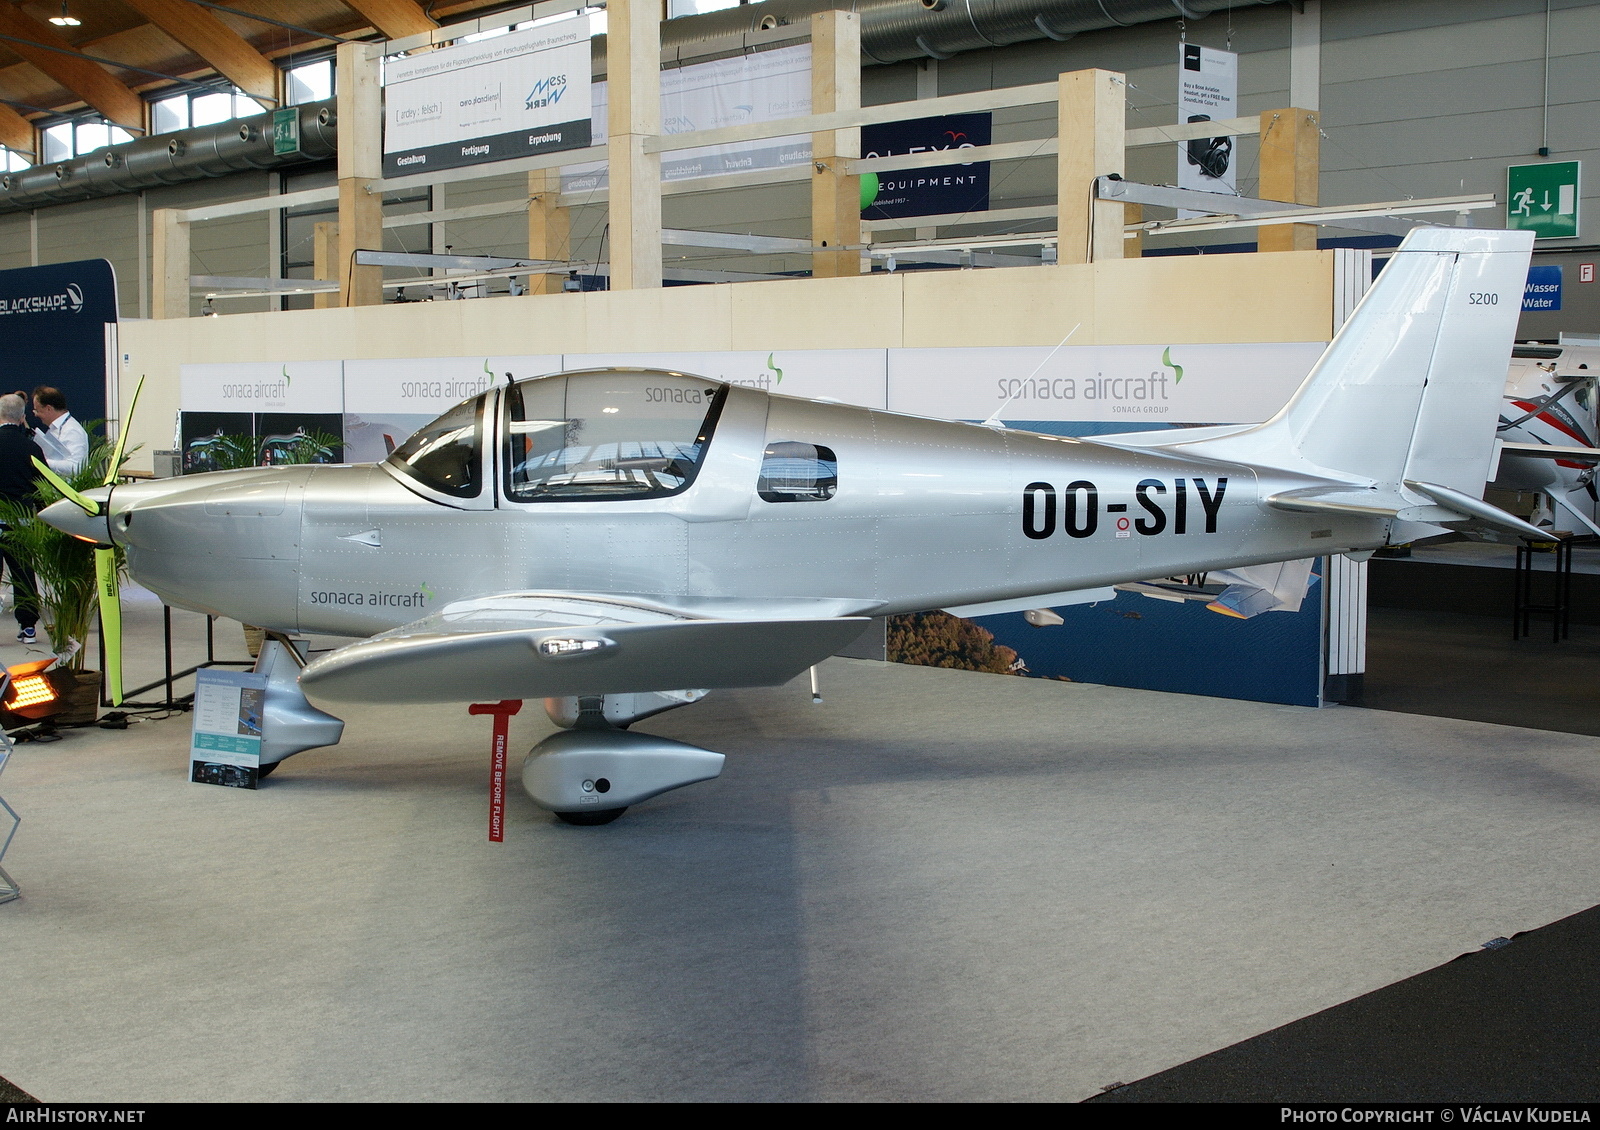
(65, 19)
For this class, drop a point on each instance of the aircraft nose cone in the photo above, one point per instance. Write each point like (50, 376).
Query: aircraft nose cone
(69, 518)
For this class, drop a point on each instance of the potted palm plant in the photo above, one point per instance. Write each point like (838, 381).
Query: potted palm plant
(64, 590)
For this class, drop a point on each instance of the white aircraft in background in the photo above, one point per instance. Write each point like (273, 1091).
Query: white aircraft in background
(1549, 431)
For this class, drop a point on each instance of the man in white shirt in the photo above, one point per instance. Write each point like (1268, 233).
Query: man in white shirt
(65, 443)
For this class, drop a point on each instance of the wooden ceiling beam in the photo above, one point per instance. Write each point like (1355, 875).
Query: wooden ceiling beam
(16, 132)
(89, 81)
(215, 42)
(394, 18)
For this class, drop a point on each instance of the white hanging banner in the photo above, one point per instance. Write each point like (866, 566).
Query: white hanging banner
(512, 95)
(1208, 91)
(761, 87)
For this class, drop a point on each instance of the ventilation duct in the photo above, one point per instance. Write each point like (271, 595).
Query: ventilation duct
(896, 30)
(169, 158)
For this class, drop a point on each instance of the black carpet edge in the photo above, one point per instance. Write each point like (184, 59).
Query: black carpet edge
(1517, 1023)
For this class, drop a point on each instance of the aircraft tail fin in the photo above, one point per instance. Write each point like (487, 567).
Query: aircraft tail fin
(1409, 389)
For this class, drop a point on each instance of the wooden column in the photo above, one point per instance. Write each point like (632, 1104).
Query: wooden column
(1291, 144)
(633, 73)
(360, 165)
(169, 265)
(1133, 245)
(1093, 137)
(325, 261)
(549, 227)
(835, 197)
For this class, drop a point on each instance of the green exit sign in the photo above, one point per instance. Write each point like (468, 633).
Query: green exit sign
(285, 132)
(1543, 198)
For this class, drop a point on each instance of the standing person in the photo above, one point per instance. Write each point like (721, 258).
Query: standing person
(65, 443)
(18, 478)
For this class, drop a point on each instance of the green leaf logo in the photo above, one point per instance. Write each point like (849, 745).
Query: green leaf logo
(287, 379)
(1177, 370)
(426, 591)
(774, 368)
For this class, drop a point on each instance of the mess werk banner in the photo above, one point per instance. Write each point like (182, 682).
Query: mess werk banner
(513, 95)
(54, 331)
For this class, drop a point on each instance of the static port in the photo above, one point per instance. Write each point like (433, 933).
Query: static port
(601, 785)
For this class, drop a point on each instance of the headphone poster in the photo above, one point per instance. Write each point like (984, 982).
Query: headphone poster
(1208, 91)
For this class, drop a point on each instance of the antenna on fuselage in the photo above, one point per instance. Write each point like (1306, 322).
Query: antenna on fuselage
(994, 419)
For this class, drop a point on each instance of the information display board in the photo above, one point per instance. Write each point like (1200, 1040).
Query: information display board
(514, 95)
(225, 746)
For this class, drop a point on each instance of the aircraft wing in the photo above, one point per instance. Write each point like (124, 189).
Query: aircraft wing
(1549, 451)
(555, 644)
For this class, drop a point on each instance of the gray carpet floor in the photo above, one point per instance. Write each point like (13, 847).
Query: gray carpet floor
(935, 885)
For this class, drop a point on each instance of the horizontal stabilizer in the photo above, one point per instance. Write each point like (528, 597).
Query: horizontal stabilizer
(1344, 500)
(1478, 514)
(1548, 451)
(1443, 506)
(542, 645)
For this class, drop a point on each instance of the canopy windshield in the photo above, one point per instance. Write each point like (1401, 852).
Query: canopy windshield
(607, 434)
(447, 455)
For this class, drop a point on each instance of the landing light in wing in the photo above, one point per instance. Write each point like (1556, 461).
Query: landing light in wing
(564, 647)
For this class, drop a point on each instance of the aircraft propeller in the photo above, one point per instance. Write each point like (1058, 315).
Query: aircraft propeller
(105, 556)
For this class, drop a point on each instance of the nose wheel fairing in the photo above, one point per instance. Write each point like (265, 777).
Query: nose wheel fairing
(289, 723)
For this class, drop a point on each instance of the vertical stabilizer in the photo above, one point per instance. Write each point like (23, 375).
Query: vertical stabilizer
(1410, 387)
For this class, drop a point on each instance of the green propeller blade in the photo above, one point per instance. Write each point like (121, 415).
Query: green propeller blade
(122, 437)
(105, 577)
(89, 505)
(105, 571)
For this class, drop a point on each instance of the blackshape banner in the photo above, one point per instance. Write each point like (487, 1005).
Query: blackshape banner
(517, 94)
(53, 331)
(939, 191)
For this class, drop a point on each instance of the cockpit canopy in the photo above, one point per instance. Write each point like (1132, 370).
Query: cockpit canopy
(588, 435)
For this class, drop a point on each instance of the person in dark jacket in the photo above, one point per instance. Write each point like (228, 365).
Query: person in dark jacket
(18, 478)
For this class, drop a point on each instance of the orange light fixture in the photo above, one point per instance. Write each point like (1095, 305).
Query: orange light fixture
(31, 694)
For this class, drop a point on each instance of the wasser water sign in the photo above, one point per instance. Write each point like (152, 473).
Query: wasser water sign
(517, 94)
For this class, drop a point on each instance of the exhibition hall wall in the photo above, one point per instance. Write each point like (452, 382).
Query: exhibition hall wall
(1116, 303)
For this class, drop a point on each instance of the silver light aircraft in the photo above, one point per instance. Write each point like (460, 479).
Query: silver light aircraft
(617, 542)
